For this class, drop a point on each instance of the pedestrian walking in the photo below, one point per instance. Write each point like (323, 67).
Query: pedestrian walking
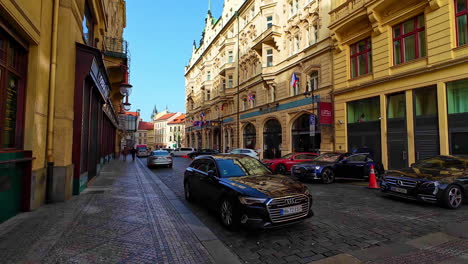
(124, 153)
(133, 151)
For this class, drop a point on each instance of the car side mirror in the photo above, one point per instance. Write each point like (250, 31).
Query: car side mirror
(412, 164)
(212, 173)
(291, 158)
(344, 161)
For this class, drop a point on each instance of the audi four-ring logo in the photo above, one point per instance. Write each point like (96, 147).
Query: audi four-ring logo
(290, 201)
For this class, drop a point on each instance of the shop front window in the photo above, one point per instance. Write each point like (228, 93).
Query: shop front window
(457, 97)
(363, 110)
(396, 106)
(12, 66)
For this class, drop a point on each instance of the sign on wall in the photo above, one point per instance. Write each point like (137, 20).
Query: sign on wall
(312, 122)
(326, 113)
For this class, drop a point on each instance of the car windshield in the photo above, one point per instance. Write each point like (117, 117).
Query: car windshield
(330, 157)
(160, 153)
(287, 156)
(241, 166)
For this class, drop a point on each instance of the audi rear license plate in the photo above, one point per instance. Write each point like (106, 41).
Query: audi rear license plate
(291, 210)
(400, 190)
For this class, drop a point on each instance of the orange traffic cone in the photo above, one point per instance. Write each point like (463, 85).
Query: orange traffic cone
(372, 179)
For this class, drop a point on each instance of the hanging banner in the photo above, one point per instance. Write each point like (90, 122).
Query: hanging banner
(312, 123)
(326, 113)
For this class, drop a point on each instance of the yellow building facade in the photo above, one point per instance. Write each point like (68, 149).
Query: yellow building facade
(257, 76)
(400, 74)
(54, 48)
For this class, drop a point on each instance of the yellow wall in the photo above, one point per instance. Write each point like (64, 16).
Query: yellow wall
(444, 62)
(32, 21)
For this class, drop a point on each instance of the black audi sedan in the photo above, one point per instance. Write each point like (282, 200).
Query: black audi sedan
(329, 166)
(440, 179)
(200, 152)
(243, 191)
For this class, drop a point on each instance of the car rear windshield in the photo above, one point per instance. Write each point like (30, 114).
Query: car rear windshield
(330, 157)
(245, 166)
(160, 153)
(287, 156)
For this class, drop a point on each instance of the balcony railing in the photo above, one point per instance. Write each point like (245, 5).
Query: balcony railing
(115, 47)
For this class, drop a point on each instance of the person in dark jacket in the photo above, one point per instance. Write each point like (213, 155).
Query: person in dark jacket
(133, 151)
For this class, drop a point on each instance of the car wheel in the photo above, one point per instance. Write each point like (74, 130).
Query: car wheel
(453, 197)
(328, 176)
(228, 214)
(188, 192)
(280, 169)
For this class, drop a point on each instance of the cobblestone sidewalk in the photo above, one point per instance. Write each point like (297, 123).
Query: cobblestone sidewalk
(124, 217)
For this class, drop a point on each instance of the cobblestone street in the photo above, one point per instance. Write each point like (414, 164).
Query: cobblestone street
(348, 218)
(123, 218)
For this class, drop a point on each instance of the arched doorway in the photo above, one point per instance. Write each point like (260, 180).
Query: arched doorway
(272, 138)
(250, 136)
(302, 140)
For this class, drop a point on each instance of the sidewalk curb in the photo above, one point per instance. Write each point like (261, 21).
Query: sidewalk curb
(215, 247)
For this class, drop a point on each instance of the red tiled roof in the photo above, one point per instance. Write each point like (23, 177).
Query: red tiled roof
(178, 120)
(145, 126)
(166, 116)
(132, 113)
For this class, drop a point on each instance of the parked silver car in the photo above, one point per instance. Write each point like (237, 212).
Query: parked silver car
(250, 152)
(159, 157)
(178, 152)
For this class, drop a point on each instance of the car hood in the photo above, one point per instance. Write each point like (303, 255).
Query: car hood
(446, 176)
(270, 185)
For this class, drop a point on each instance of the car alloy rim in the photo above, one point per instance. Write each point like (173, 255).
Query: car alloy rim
(226, 213)
(281, 169)
(455, 197)
(327, 175)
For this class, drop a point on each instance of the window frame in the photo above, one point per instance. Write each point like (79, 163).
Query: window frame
(269, 21)
(355, 56)
(18, 71)
(402, 36)
(460, 14)
(269, 56)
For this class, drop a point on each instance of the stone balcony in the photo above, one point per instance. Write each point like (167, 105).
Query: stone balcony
(347, 7)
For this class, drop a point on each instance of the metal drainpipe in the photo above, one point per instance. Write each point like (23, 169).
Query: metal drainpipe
(238, 95)
(51, 108)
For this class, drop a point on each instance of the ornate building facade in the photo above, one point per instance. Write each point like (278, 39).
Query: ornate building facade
(259, 78)
(401, 78)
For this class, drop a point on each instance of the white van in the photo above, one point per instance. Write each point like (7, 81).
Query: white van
(181, 151)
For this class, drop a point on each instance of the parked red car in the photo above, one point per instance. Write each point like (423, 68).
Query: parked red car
(283, 165)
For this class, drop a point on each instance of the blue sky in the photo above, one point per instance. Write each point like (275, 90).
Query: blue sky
(160, 35)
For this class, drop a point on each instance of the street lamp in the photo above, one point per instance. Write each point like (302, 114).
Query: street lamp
(125, 87)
